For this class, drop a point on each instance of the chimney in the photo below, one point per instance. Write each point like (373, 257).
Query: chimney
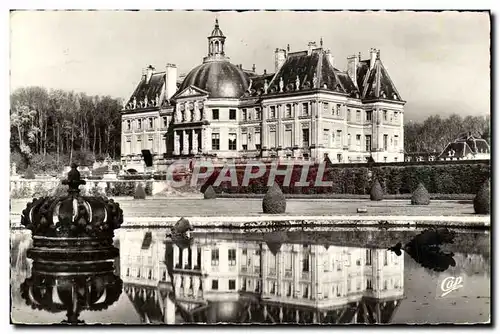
(149, 72)
(265, 71)
(373, 57)
(279, 59)
(330, 58)
(170, 80)
(352, 66)
(253, 68)
(310, 47)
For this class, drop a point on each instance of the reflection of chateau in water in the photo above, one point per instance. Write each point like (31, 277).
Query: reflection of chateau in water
(218, 279)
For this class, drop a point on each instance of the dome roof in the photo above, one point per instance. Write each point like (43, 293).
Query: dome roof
(220, 79)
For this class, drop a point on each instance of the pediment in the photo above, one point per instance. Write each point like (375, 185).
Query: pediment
(191, 91)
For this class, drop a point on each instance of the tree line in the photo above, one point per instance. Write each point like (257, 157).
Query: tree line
(433, 134)
(51, 128)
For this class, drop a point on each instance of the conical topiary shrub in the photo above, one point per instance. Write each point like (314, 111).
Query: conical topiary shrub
(420, 196)
(139, 193)
(274, 201)
(482, 199)
(377, 193)
(209, 193)
(28, 173)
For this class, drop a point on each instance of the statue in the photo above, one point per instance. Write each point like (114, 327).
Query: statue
(157, 100)
(196, 114)
(266, 86)
(297, 83)
(281, 85)
(178, 116)
(250, 86)
(187, 115)
(145, 101)
(134, 103)
(109, 162)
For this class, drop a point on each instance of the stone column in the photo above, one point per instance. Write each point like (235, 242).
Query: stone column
(197, 115)
(297, 256)
(184, 257)
(176, 255)
(194, 139)
(196, 285)
(185, 148)
(168, 311)
(177, 143)
(206, 144)
(194, 255)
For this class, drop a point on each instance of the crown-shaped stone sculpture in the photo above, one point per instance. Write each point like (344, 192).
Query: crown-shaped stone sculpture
(72, 215)
(76, 226)
(74, 294)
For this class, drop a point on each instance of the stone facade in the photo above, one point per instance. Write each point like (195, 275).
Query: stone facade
(306, 109)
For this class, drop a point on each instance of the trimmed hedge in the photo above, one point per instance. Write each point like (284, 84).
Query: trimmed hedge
(420, 196)
(209, 193)
(140, 193)
(440, 179)
(377, 193)
(274, 202)
(482, 199)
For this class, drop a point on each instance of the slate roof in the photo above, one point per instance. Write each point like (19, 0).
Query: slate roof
(149, 89)
(314, 71)
(376, 83)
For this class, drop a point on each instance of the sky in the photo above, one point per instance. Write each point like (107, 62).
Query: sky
(439, 61)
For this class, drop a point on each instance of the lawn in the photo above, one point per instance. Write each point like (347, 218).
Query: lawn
(165, 207)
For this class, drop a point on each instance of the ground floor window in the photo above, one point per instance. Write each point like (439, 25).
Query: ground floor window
(215, 141)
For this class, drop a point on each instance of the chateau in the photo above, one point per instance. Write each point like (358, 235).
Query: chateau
(306, 110)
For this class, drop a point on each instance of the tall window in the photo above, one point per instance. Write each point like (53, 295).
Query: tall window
(257, 139)
(128, 148)
(232, 114)
(258, 113)
(288, 110)
(272, 112)
(305, 109)
(358, 140)
(231, 257)
(215, 257)
(369, 284)
(369, 116)
(368, 142)
(339, 138)
(368, 258)
(325, 108)
(128, 124)
(232, 284)
(139, 124)
(215, 114)
(337, 110)
(396, 116)
(215, 284)
(244, 114)
(305, 137)
(232, 141)
(272, 138)
(385, 142)
(348, 115)
(288, 135)
(244, 139)
(326, 136)
(215, 141)
(305, 263)
(385, 115)
(358, 115)
(165, 121)
(349, 139)
(396, 140)
(150, 123)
